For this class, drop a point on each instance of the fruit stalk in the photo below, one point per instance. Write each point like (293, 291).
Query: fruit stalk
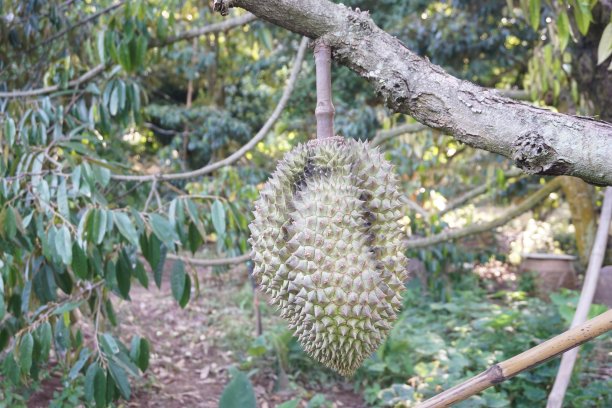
(325, 109)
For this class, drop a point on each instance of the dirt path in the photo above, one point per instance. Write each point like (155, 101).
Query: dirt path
(189, 360)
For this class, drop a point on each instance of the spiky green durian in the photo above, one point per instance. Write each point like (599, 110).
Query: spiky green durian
(329, 250)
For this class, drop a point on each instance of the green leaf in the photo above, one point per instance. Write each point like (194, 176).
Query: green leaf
(63, 245)
(141, 50)
(583, 17)
(563, 28)
(125, 227)
(605, 45)
(109, 344)
(25, 352)
(96, 226)
(141, 274)
(2, 305)
(534, 13)
(100, 46)
(10, 368)
(9, 131)
(110, 312)
(113, 104)
(9, 221)
(178, 281)
(238, 393)
(80, 266)
(95, 385)
(124, 275)
(218, 218)
(62, 199)
(44, 284)
(44, 338)
(120, 379)
(163, 230)
(144, 355)
(289, 404)
(79, 364)
(67, 307)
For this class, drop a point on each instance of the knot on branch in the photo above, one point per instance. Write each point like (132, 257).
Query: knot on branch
(222, 6)
(532, 154)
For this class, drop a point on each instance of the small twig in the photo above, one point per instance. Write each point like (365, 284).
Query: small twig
(503, 219)
(50, 89)
(150, 197)
(211, 262)
(76, 25)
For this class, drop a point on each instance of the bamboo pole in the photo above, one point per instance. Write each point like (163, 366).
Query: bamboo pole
(557, 394)
(533, 357)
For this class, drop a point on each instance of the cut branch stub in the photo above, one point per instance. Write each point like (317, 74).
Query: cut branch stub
(325, 108)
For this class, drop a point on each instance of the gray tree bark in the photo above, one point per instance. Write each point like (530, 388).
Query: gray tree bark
(537, 140)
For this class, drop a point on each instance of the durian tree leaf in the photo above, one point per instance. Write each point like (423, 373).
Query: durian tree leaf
(67, 307)
(80, 266)
(238, 393)
(125, 227)
(141, 274)
(179, 282)
(604, 50)
(95, 385)
(120, 378)
(124, 275)
(44, 338)
(218, 218)
(26, 346)
(79, 364)
(163, 230)
(63, 245)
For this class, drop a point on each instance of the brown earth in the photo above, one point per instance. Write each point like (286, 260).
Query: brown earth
(190, 353)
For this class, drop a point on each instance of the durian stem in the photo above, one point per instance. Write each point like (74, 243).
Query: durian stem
(529, 359)
(325, 108)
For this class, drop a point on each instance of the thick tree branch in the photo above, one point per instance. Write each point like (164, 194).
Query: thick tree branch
(95, 71)
(510, 214)
(211, 28)
(244, 149)
(538, 140)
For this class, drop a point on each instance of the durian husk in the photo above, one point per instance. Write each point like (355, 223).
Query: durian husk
(329, 249)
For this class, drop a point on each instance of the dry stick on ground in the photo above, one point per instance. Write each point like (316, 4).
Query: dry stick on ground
(535, 356)
(557, 394)
(538, 140)
(512, 213)
(244, 149)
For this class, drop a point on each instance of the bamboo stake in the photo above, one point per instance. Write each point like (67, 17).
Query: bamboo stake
(557, 394)
(533, 357)
(325, 108)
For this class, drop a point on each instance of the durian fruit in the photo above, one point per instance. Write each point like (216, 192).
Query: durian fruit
(329, 250)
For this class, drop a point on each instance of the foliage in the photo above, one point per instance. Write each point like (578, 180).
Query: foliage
(74, 239)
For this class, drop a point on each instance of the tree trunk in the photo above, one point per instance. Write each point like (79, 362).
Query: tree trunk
(580, 197)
